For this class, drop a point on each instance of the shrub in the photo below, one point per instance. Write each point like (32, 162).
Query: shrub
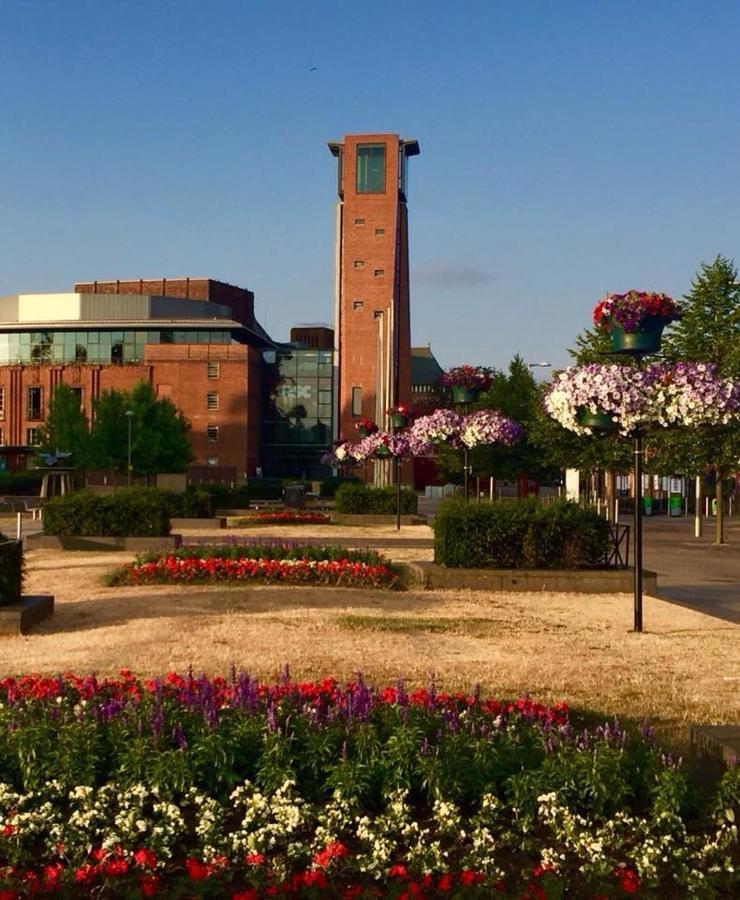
(522, 535)
(357, 498)
(330, 485)
(27, 482)
(194, 503)
(134, 512)
(11, 570)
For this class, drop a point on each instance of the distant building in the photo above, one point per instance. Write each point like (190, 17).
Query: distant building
(425, 375)
(203, 351)
(372, 330)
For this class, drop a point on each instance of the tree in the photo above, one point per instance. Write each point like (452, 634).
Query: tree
(66, 427)
(159, 432)
(709, 331)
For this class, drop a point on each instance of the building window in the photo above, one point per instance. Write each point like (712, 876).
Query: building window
(212, 461)
(2, 402)
(356, 401)
(2, 437)
(358, 304)
(33, 437)
(379, 232)
(378, 314)
(33, 403)
(116, 353)
(359, 264)
(379, 273)
(212, 400)
(77, 391)
(370, 169)
(212, 433)
(214, 369)
(359, 221)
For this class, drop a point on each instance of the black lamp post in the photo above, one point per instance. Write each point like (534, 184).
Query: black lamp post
(399, 420)
(129, 416)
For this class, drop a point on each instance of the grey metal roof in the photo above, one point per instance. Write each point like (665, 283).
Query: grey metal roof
(424, 367)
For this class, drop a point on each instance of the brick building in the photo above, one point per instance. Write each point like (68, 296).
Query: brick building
(372, 322)
(198, 344)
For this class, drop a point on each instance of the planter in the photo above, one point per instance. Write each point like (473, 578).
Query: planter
(601, 421)
(465, 394)
(382, 452)
(645, 340)
(398, 420)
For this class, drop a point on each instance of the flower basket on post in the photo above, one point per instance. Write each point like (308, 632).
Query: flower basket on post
(635, 320)
(599, 421)
(465, 383)
(399, 416)
(465, 395)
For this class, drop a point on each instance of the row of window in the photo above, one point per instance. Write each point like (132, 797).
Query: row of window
(360, 264)
(33, 436)
(379, 232)
(95, 346)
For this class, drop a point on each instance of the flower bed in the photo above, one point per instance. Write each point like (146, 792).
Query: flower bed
(281, 563)
(289, 517)
(226, 787)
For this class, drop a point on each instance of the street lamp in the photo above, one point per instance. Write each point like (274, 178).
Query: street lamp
(129, 416)
(541, 365)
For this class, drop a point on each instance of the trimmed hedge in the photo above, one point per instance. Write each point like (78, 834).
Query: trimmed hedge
(361, 499)
(134, 512)
(526, 534)
(330, 485)
(194, 503)
(11, 570)
(27, 482)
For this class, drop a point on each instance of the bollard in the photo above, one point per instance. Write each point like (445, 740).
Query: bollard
(19, 526)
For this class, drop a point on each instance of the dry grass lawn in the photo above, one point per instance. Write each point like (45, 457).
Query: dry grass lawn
(573, 647)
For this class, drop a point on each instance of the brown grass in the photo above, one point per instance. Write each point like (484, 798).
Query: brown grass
(579, 648)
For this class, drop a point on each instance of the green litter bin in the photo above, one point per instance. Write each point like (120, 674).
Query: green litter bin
(674, 505)
(647, 506)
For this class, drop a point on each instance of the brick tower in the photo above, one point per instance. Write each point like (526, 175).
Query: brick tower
(372, 327)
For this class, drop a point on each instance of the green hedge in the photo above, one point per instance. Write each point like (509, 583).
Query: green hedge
(27, 482)
(134, 512)
(11, 570)
(330, 485)
(359, 498)
(194, 503)
(526, 534)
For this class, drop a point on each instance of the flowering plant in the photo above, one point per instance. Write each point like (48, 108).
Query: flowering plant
(471, 377)
(658, 394)
(292, 517)
(631, 310)
(366, 426)
(286, 819)
(489, 426)
(400, 409)
(339, 455)
(441, 425)
(381, 442)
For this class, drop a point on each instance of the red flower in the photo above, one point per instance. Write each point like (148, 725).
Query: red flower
(468, 877)
(248, 894)
(336, 850)
(115, 867)
(629, 880)
(9, 830)
(8, 895)
(398, 871)
(149, 884)
(445, 883)
(197, 870)
(255, 859)
(144, 857)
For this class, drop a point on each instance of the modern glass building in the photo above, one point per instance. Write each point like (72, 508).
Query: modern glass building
(297, 411)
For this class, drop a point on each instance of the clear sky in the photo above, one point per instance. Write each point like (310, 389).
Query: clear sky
(567, 149)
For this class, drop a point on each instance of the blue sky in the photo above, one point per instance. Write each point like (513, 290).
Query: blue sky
(568, 148)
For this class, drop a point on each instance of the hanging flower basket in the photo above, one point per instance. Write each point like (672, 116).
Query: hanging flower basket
(398, 415)
(465, 394)
(365, 426)
(382, 451)
(472, 378)
(646, 339)
(599, 421)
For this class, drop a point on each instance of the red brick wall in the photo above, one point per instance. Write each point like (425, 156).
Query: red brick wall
(387, 252)
(179, 372)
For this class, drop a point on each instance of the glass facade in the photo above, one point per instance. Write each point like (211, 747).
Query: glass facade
(96, 346)
(370, 169)
(297, 411)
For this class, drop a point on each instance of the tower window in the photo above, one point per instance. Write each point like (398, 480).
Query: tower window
(359, 221)
(359, 264)
(212, 400)
(356, 401)
(212, 434)
(33, 437)
(379, 273)
(213, 369)
(370, 169)
(358, 304)
(379, 232)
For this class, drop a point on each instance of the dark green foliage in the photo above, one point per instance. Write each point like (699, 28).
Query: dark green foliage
(23, 483)
(11, 570)
(66, 427)
(135, 512)
(330, 485)
(159, 432)
(522, 535)
(264, 489)
(361, 499)
(194, 503)
(267, 551)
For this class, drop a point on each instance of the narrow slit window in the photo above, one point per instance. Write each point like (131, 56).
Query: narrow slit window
(356, 401)
(212, 401)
